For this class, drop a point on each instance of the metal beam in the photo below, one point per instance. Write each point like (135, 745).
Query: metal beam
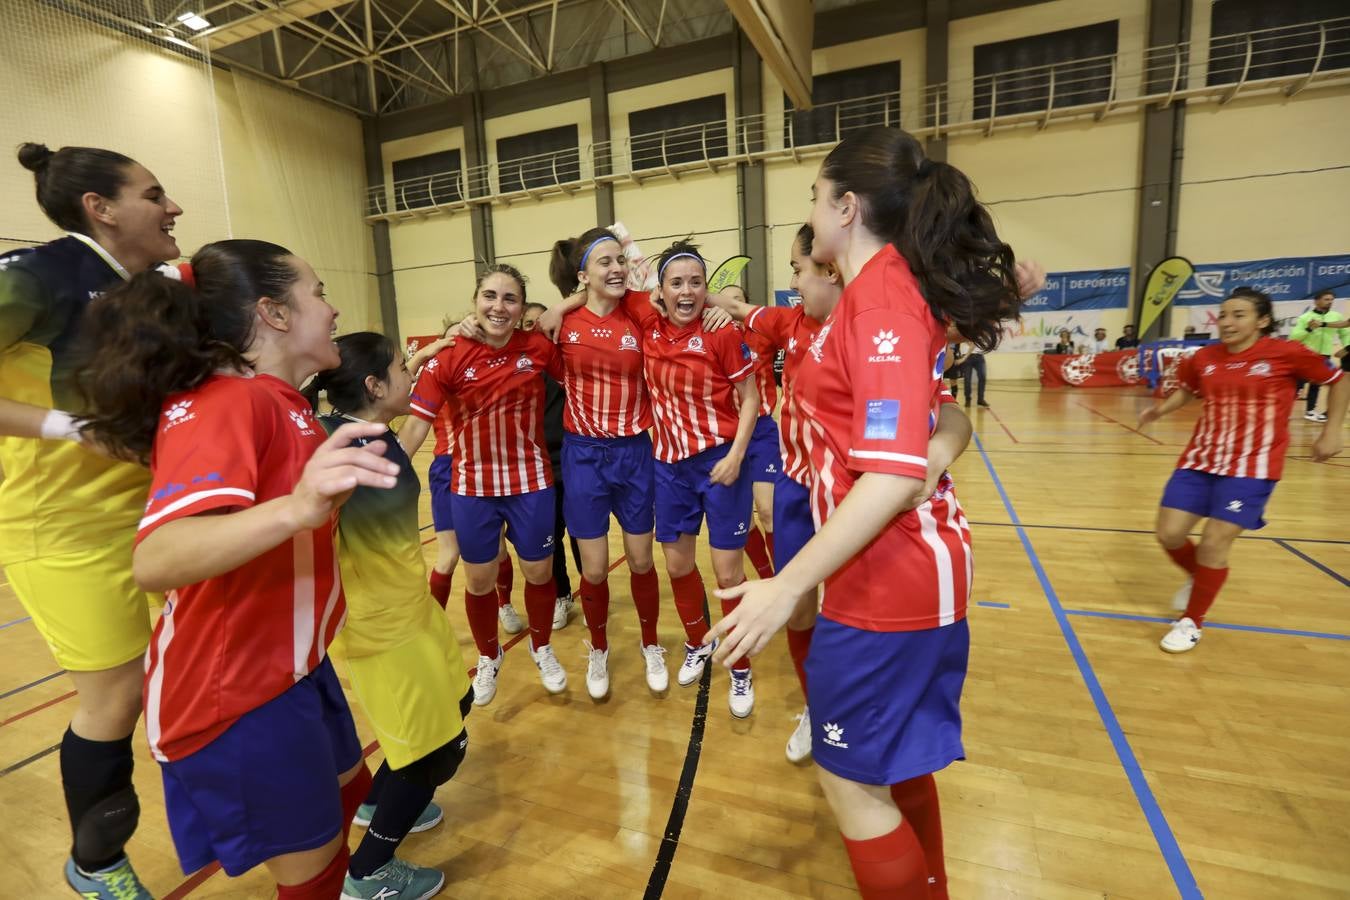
(781, 31)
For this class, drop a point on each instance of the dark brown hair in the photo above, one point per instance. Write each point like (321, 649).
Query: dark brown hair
(364, 353)
(806, 237)
(928, 210)
(501, 269)
(153, 336)
(565, 262)
(65, 176)
(1258, 299)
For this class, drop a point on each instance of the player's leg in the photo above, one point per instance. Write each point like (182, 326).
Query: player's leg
(763, 461)
(792, 513)
(633, 498)
(679, 515)
(529, 528)
(981, 371)
(1185, 501)
(586, 510)
(479, 526)
(759, 543)
(728, 509)
(443, 522)
(562, 579)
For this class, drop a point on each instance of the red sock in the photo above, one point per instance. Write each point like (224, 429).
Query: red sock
(647, 598)
(327, 885)
(799, 644)
(354, 793)
(506, 579)
(1206, 588)
(768, 543)
(440, 586)
(918, 802)
(890, 867)
(482, 612)
(758, 551)
(727, 607)
(595, 607)
(539, 601)
(1184, 556)
(689, 600)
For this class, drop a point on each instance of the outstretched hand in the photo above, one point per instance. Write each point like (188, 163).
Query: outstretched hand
(1327, 445)
(765, 607)
(1149, 415)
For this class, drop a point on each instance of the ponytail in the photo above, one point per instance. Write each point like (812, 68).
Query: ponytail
(928, 210)
(570, 255)
(154, 336)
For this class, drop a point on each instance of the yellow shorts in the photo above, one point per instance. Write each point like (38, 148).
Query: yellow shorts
(411, 692)
(86, 605)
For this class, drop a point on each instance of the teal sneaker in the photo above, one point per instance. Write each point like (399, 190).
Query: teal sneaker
(117, 882)
(430, 817)
(395, 878)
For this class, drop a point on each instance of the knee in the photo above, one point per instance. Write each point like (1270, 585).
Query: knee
(477, 582)
(539, 571)
(678, 566)
(1169, 536)
(1212, 553)
(595, 576)
(438, 766)
(641, 563)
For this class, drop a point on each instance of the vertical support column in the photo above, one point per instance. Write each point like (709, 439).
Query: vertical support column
(477, 179)
(604, 190)
(379, 234)
(935, 73)
(1162, 149)
(754, 232)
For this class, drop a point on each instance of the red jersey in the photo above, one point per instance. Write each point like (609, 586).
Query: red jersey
(869, 390)
(765, 351)
(441, 428)
(1243, 431)
(229, 644)
(602, 372)
(496, 403)
(792, 330)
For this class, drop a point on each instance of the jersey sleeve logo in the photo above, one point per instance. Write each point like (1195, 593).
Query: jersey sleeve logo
(885, 342)
(695, 344)
(628, 341)
(178, 413)
(433, 365)
(301, 423)
(883, 420)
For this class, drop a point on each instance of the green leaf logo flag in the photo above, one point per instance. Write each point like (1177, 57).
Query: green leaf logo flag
(1163, 284)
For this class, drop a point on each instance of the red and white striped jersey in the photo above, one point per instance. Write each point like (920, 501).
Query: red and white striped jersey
(791, 329)
(692, 376)
(1243, 430)
(602, 373)
(765, 351)
(869, 390)
(441, 428)
(229, 644)
(496, 401)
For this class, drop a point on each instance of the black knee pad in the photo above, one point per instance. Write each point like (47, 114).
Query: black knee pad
(438, 766)
(106, 826)
(466, 703)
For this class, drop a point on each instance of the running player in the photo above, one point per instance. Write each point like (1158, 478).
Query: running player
(762, 460)
(259, 755)
(1236, 453)
(402, 653)
(501, 477)
(916, 251)
(68, 516)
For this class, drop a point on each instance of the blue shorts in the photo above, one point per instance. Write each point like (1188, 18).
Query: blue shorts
(607, 475)
(268, 785)
(1241, 501)
(684, 495)
(439, 478)
(764, 458)
(793, 525)
(885, 705)
(528, 519)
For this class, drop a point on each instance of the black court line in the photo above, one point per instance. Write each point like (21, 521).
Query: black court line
(670, 841)
(1308, 559)
(31, 759)
(45, 678)
(1241, 537)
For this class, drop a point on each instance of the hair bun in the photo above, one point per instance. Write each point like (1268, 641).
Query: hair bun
(34, 157)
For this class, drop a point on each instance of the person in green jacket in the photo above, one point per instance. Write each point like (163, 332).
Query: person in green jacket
(1323, 332)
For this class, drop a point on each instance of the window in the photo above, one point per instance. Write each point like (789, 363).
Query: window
(681, 132)
(429, 180)
(1073, 60)
(845, 101)
(1283, 39)
(538, 159)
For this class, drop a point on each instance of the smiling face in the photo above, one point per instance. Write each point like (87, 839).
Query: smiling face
(684, 288)
(143, 215)
(830, 218)
(313, 321)
(499, 307)
(818, 285)
(606, 271)
(1240, 324)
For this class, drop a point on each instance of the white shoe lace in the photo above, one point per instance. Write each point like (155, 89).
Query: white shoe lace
(487, 673)
(397, 871)
(596, 667)
(548, 663)
(655, 654)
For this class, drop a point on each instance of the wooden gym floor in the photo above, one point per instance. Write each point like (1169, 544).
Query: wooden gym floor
(1098, 766)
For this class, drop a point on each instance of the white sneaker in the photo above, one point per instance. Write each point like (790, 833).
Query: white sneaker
(597, 672)
(1321, 417)
(562, 607)
(695, 658)
(658, 679)
(741, 696)
(1314, 416)
(799, 745)
(1185, 634)
(1182, 598)
(511, 623)
(550, 670)
(485, 681)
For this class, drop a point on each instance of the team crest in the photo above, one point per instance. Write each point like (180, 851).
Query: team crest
(628, 341)
(1210, 369)
(695, 344)
(817, 348)
(524, 364)
(1260, 369)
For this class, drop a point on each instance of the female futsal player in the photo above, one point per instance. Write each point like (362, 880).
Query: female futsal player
(501, 475)
(260, 759)
(1236, 453)
(886, 666)
(68, 516)
(403, 655)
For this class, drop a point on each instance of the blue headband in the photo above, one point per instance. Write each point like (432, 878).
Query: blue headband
(600, 240)
(661, 272)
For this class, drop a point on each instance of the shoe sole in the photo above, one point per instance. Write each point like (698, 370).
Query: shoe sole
(684, 683)
(799, 760)
(1181, 650)
(594, 696)
(418, 829)
(744, 715)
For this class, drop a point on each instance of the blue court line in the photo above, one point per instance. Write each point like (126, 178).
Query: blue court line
(1182, 875)
(1241, 537)
(993, 605)
(1308, 559)
(23, 687)
(15, 622)
(1162, 620)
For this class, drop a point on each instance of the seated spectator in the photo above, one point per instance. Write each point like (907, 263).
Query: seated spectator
(1098, 344)
(1128, 340)
(1065, 346)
